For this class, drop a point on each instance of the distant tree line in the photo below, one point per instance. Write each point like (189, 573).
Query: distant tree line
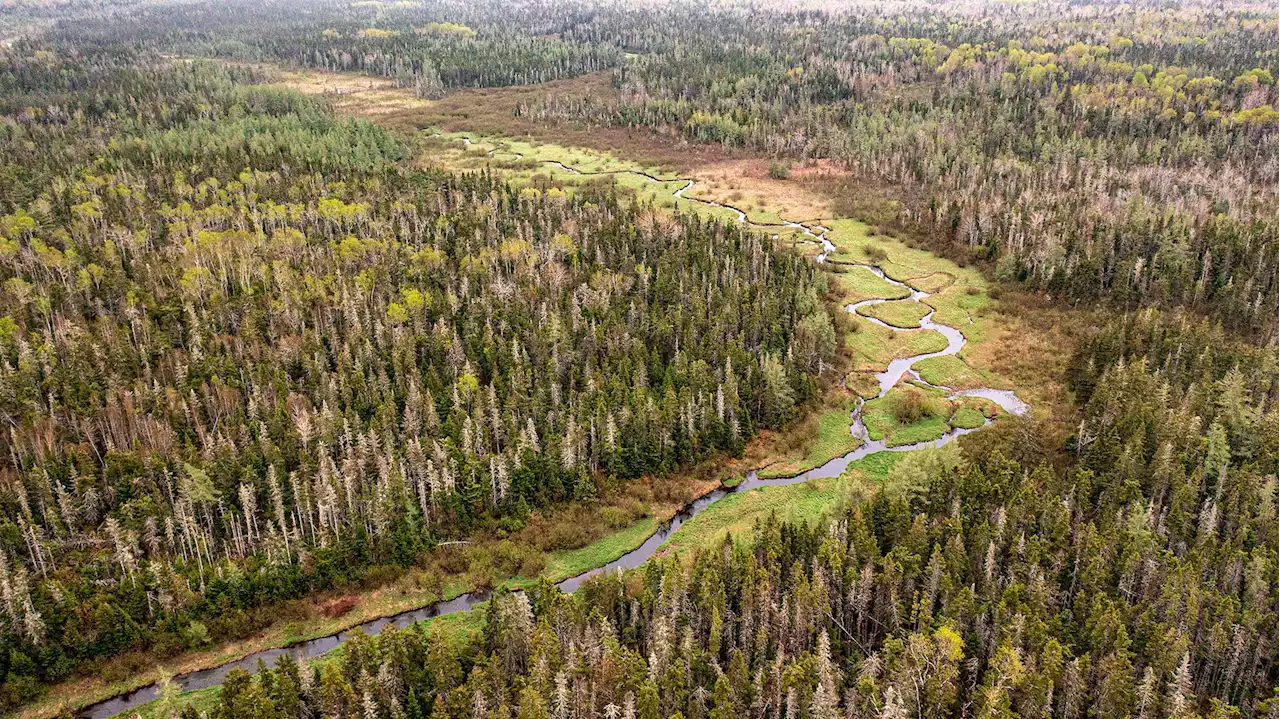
(246, 353)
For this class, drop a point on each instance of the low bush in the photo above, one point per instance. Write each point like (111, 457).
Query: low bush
(910, 407)
(874, 253)
(335, 608)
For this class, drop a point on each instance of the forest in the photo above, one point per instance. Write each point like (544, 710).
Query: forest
(1138, 579)
(254, 350)
(247, 354)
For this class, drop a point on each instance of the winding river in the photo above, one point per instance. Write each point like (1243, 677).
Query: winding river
(1007, 400)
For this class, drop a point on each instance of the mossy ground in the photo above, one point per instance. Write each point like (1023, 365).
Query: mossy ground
(967, 418)
(951, 371)
(883, 416)
(856, 243)
(855, 284)
(962, 306)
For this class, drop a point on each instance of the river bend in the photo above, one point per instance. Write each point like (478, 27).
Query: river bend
(832, 468)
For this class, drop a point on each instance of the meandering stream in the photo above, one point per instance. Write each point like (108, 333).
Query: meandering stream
(1007, 400)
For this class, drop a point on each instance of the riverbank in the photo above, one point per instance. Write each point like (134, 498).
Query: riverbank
(543, 167)
(419, 587)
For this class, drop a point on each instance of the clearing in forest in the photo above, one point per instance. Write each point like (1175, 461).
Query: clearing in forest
(476, 130)
(480, 130)
(907, 285)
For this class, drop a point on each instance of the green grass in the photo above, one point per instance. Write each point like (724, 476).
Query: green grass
(683, 204)
(848, 236)
(454, 154)
(957, 305)
(804, 248)
(805, 502)
(905, 314)
(938, 415)
(967, 418)
(571, 563)
(833, 439)
(958, 296)
(450, 152)
(874, 346)
(900, 262)
(988, 408)
(881, 417)
(951, 371)
(937, 282)
(924, 430)
(764, 217)
(855, 284)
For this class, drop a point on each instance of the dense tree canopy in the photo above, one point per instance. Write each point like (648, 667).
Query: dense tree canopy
(1137, 580)
(1091, 151)
(247, 353)
(251, 350)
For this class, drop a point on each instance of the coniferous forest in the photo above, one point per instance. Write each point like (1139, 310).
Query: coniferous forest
(254, 349)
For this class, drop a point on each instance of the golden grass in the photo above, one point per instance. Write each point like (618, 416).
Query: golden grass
(745, 181)
(492, 111)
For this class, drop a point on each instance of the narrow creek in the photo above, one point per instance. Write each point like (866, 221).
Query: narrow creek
(301, 651)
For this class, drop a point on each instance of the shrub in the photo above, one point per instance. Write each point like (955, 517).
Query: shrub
(481, 574)
(910, 407)
(875, 253)
(532, 564)
(335, 608)
(431, 584)
(168, 644)
(569, 535)
(779, 171)
(511, 559)
(615, 517)
(451, 559)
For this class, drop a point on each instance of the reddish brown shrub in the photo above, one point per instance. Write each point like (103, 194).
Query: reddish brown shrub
(335, 608)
